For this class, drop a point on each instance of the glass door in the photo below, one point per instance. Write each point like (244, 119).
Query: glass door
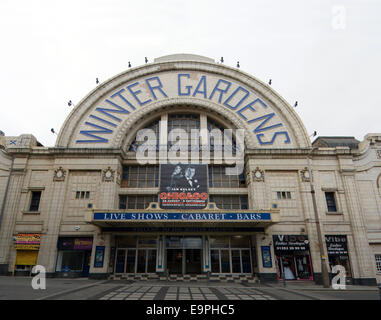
(220, 260)
(193, 261)
(131, 258)
(120, 260)
(141, 266)
(175, 261)
(151, 260)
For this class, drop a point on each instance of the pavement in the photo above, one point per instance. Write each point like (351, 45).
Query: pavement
(19, 288)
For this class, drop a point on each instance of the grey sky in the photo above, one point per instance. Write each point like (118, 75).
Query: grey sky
(52, 51)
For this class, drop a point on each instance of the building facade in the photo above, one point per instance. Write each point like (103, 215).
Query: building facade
(103, 202)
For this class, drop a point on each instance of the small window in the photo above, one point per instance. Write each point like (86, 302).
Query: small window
(331, 201)
(283, 194)
(378, 262)
(82, 195)
(35, 201)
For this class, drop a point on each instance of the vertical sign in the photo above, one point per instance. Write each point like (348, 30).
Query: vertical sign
(99, 256)
(266, 257)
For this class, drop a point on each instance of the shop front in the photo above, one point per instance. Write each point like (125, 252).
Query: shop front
(337, 250)
(73, 258)
(27, 248)
(293, 259)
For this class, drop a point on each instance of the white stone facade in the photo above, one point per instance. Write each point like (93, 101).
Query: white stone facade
(277, 147)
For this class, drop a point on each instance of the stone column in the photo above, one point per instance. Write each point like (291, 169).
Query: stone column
(51, 229)
(367, 271)
(12, 206)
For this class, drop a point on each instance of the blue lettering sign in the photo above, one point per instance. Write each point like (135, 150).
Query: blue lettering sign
(179, 92)
(135, 93)
(152, 216)
(158, 87)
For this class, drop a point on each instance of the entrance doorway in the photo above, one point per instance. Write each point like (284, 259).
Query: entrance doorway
(184, 261)
(192, 261)
(175, 261)
(135, 261)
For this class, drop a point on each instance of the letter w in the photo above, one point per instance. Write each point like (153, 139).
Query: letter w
(90, 133)
(107, 111)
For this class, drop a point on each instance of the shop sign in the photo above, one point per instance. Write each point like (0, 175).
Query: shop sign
(180, 216)
(290, 243)
(75, 243)
(183, 186)
(83, 243)
(336, 245)
(28, 241)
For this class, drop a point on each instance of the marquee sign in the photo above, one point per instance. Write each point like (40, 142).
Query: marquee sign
(180, 216)
(106, 116)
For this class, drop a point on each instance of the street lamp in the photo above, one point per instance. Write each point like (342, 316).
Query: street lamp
(323, 258)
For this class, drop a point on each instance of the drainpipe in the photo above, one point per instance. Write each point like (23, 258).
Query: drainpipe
(324, 270)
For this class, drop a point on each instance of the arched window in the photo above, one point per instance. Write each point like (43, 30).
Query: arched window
(191, 124)
(155, 126)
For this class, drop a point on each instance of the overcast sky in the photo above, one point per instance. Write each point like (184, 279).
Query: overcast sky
(325, 54)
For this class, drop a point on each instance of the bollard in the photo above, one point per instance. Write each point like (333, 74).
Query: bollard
(284, 281)
(379, 290)
(166, 274)
(208, 275)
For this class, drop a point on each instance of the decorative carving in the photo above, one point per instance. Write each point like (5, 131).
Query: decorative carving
(108, 174)
(59, 174)
(118, 177)
(378, 154)
(305, 175)
(258, 175)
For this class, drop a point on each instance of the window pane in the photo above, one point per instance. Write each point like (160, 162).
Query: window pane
(246, 265)
(35, 201)
(141, 261)
(240, 242)
(72, 260)
(219, 242)
(331, 203)
(225, 262)
(120, 259)
(122, 202)
(151, 263)
(236, 261)
(131, 257)
(215, 260)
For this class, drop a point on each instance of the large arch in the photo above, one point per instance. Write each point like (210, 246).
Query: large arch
(104, 117)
